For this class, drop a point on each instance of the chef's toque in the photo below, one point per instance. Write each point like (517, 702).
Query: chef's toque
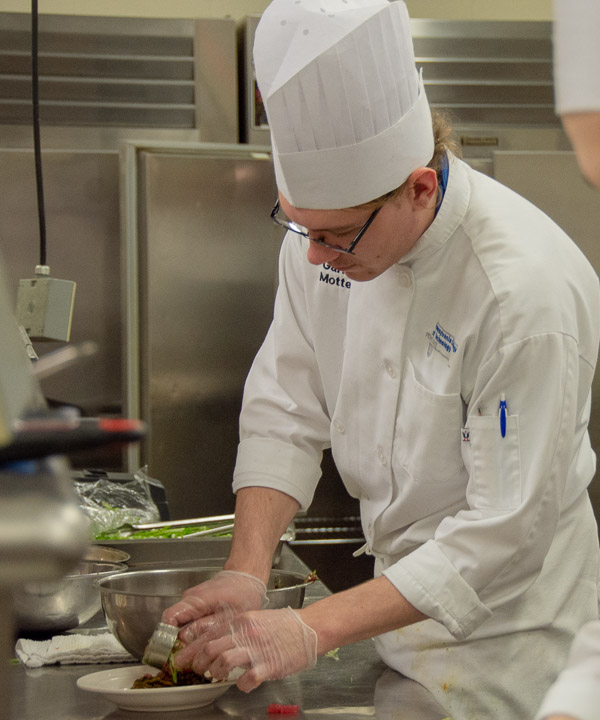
(347, 109)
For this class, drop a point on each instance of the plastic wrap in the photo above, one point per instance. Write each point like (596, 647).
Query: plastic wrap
(111, 505)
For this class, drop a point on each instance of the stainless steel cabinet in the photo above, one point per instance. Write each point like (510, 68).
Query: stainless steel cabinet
(201, 259)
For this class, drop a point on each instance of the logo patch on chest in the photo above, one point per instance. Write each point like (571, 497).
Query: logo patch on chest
(441, 342)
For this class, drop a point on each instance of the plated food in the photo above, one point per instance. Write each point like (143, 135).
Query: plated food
(116, 684)
(170, 676)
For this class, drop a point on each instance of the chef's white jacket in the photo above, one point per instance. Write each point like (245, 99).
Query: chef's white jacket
(402, 376)
(576, 32)
(577, 690)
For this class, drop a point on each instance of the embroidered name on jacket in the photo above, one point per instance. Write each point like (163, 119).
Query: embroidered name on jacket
(336, 277)
(441, 341)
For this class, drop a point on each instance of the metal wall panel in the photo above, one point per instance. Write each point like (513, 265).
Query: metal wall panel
(483, 72)
(203, 253)
(116, 78)
(123, 72)
(82, 209)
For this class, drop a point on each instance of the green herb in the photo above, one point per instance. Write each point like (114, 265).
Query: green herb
(108, 506)
(333, 654)
(172, 669)
(163, 532)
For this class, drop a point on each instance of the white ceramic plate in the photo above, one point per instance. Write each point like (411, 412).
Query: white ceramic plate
(115, 684)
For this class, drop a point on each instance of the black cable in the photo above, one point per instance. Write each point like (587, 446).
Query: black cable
(36, 130)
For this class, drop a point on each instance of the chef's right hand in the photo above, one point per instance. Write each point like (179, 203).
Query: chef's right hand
(215, 602)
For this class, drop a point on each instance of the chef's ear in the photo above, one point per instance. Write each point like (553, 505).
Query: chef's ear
(422, 186)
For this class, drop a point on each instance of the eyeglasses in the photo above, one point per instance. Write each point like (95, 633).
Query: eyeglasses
(294, 227)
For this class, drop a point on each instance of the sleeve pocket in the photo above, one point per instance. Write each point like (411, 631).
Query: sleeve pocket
(494, 462)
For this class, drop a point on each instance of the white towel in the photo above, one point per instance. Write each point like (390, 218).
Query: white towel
(72, 650)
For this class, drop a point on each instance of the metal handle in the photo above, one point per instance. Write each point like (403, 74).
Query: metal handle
(210, 531)
(56, 360)
(182, 523)
(160, 645)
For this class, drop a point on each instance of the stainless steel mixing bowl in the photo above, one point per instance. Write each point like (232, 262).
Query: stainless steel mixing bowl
(133, 603)
(66, 603)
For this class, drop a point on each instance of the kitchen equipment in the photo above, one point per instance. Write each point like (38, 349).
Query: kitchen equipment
(183, 523)
(56, 606)
(167, 532)
(212, 531)
(43, 531)
(191, 551)
(50, 432)
(56, 360)
(103, 554)
(133, 603)
(160, 645)
(165, 553)
(212, 525)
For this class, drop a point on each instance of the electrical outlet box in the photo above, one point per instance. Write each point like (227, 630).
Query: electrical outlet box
(45, 307)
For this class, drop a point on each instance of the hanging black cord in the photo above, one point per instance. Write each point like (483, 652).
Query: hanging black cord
(36, 130)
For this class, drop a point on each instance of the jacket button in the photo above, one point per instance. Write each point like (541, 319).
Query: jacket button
(390, 369)
(339, 426)
(405, 280)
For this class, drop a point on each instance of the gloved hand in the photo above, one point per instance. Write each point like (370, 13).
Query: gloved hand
(210, 606)
(271, 644)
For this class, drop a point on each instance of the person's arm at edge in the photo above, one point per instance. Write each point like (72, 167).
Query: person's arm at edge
(361, 612)
(261, 517)
(583, 129)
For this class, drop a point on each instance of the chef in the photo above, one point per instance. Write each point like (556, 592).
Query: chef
(449, 372)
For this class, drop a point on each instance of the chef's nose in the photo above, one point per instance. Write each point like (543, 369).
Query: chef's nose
(317, 254)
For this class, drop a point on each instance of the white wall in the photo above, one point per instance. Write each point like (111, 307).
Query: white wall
(455, 9)
(481, 9)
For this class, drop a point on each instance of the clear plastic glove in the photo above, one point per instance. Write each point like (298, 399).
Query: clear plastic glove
(270, 644)
(210, 606)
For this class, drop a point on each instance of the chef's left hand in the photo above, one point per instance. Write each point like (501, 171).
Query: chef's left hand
(270, 644)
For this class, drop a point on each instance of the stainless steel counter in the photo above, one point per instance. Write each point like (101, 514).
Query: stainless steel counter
(358, 685)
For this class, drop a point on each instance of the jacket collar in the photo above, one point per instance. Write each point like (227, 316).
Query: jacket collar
(450, 215)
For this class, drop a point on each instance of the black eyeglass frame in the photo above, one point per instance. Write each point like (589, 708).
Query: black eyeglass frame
(293, 227)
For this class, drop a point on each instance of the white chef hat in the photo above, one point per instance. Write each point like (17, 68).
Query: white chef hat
(347, 110)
